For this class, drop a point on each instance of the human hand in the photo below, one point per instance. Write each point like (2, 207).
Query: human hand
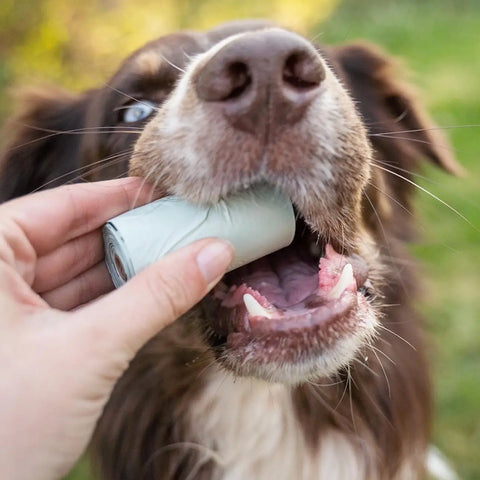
(58, 367)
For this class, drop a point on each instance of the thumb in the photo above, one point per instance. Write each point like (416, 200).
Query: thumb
(160, 294)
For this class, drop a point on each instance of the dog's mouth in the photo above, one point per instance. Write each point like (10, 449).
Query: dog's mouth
(291, 307)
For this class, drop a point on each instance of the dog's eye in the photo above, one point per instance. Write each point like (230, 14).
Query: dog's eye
(136, 111)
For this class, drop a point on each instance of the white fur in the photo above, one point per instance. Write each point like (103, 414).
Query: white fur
(438, 466)
(249, 428)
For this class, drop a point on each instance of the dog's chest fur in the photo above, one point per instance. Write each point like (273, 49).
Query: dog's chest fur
(247, 427)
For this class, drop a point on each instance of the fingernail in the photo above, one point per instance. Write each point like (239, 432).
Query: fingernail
(214, 259)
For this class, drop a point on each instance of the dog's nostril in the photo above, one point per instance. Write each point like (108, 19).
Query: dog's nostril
(219, 82)
(261, 80)
(302, 72)
(240, 79)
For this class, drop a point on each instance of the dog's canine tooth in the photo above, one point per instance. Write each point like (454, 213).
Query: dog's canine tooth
(254, 308)
(346, 278)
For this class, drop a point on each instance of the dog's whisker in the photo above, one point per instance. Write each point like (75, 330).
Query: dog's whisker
(73, 131)
(373, 399)
(435, 197)
(364, 365)
(404, 170)
(350, 384)
(316, 37)
(137, 100)
(344, 392)
(79, 131)
(383, 192)
(165, 59)
(383, 327)
(427, 129)
(146, 179)
(380, 338)
(85, 170)
(330, 384)
(424, 178)
(374, 350)
(377, 215)
(315, 392)
(382, 353)
(187, 55)
(83, 176)
(413, 140)
(391, 305)
(205, 370)
(387, 239)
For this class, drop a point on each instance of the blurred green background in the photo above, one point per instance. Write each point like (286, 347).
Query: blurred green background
(78, 44)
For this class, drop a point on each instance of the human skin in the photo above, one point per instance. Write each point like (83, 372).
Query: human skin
(65, 338)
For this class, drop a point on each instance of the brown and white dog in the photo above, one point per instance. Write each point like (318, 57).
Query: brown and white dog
(333, 383)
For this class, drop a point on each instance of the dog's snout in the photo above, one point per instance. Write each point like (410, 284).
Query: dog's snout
(263, 78)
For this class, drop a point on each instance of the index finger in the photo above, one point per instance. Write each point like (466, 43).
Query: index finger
(53, 217)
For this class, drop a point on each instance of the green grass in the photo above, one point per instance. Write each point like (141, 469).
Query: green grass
(439, 41)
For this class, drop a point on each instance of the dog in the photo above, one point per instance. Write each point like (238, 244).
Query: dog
(327, 377)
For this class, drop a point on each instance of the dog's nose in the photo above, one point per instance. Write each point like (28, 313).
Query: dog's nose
(262, 78)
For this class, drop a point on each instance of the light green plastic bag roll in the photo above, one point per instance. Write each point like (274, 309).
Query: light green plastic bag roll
(256, 222)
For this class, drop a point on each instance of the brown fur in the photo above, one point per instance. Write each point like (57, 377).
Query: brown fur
(381, 401)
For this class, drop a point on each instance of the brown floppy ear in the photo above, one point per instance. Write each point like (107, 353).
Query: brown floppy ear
(399, 127)
(38, 152)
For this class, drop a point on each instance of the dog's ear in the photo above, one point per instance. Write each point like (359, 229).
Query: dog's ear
(42, 141)
(399, 127)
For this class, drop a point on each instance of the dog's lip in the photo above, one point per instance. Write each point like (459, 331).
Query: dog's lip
(334, 296)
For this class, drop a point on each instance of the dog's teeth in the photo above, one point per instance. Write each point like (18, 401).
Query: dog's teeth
(345, 280)
(254, 308)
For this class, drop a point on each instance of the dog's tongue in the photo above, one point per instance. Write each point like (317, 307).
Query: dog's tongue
(283, 278)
